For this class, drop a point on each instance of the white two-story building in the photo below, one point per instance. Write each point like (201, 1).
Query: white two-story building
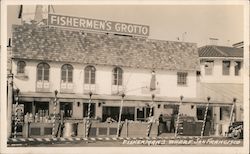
(221, 78)
(46, 59)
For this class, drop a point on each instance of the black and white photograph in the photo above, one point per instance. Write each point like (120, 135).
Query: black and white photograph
(128, 75)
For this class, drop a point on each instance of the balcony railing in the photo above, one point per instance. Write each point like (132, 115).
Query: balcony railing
(89, 88)
(42, 86)
(67, 87)
(116, 89)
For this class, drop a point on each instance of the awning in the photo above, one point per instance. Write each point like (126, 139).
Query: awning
(219, 92)
(157, 99)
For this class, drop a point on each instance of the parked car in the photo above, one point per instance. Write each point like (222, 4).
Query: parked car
(235, 130)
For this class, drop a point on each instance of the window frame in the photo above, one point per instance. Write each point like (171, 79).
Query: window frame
(182, 80)
(223, 66)
(67, 69)
(43, 69)
(91, 70)
(21, 68)
(207, 69)
(117, 76)
(238, 66)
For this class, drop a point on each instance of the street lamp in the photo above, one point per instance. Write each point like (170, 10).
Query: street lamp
(205, 117)
(88, 118)
(16, 118)
(178, 117)
(120, 116)
(54, 113)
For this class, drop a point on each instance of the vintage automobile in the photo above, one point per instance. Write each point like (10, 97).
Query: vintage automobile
(235, 130)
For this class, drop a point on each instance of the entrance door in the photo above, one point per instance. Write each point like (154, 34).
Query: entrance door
(170, 113)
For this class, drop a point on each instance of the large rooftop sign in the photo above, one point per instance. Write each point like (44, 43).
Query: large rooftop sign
(97, 25)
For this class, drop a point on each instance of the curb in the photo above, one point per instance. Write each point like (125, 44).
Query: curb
(78, 139)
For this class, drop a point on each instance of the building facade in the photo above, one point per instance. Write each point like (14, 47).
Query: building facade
(221, 78)
(78, 66)
(75, 63)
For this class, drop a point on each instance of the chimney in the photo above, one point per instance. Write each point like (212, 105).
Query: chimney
(213, 41)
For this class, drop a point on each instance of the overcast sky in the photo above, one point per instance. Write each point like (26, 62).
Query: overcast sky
(167, 22)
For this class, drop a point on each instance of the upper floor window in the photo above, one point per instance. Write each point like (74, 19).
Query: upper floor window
(67, 73)
(182, 78)
(21, 67)
(209, 65)
(43, 72)
(89, 75)
(117, 76)
(237, 68)
(226, 68)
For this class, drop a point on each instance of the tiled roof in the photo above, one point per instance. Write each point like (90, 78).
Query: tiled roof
(220, 51)
(55, 44)
(222, 92)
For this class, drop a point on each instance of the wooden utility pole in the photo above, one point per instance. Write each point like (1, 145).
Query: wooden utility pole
(9, 105)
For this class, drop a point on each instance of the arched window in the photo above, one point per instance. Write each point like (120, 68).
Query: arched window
(117, 76)
(89, 75)
(67, 73)
(21, 67)
(43, 72)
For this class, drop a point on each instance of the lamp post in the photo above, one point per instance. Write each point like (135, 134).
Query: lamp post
(178, 117)
(10, 105)
(232, 110)
(16, 116)
(205, 117)
(120, 115)
(150, 114)
(54, 114)
(88, 118)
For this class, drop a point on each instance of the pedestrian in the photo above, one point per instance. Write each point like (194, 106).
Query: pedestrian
(161, 124)
(172, 124)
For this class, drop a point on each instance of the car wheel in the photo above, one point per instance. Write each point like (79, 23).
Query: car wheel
(236, 135)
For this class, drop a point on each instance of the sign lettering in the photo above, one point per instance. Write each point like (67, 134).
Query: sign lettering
(97, 25)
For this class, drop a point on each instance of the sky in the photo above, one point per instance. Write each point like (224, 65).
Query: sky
(191, 23)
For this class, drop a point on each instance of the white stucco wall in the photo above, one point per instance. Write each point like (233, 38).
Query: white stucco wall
(133, 80)
(217, 76)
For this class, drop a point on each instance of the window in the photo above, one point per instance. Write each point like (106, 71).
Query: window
(42, 108)
(225, 113)
(89, 75)
(27, 107)
(182, 78)
(113, 112)
(92, 110)
(43, 72)
(21, 67)
(117, 76)
(143, 113)
(67, 73)
(209, 67)
(226, 68)
(66, 109)
(201, 113)
(237, 67)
